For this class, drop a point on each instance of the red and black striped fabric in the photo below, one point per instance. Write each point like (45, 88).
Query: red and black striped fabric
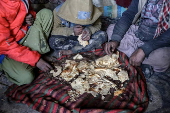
(48, 95)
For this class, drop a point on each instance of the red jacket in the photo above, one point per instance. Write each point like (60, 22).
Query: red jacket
(12, 15)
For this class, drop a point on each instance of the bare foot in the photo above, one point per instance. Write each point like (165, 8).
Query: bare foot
(66, 52)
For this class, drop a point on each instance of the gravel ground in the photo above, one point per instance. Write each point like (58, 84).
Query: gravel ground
(8, 106)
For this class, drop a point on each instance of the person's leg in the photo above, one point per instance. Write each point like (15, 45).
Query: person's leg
(129, 43)
(70, 45)
(95, 42)
(60, 43)
(36, 39)
(159, 59)
(17, 72)
(38, 34)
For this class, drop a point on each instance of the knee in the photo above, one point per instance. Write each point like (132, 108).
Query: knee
(45, 13)
(162, 66)
(159, 59)
(27, 79)
(53, 41)
(100, 36)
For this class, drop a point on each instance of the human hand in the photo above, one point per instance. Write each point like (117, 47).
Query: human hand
(29, 19)
(137, 57)
(43, 65)
(77, 30)
(110, 47)
(86, 34)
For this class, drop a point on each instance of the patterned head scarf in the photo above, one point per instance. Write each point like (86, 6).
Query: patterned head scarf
(164, 16)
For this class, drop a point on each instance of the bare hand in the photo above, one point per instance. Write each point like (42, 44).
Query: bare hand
(29, 19)
(86, 34)
(110, 47)
(77, 30)
(43, 65)
(137, 57)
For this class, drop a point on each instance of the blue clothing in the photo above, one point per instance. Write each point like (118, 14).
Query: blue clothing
(58, 42)
(1, 58)
(150, 43)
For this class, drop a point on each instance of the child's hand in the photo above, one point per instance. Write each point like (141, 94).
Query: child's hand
(86, 34)
(43, 65)
(77, 30)
(29, 19)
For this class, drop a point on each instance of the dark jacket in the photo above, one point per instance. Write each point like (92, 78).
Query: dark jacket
(126, 21)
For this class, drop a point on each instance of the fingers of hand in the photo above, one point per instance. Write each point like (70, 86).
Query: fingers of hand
(110, 47)
(49, 66)
(86, 31)
(86, 37)
(30, 21)
(107, 48)
(44, 66)
(45, 69)
(77, 32)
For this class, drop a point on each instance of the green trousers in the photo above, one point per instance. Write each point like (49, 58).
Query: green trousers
(36, 39)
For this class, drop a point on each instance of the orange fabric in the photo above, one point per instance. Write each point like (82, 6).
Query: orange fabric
(12, 15)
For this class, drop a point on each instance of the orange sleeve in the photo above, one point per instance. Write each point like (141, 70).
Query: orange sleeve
(12, 49)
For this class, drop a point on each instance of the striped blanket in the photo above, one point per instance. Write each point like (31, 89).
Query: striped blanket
(48, 95)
